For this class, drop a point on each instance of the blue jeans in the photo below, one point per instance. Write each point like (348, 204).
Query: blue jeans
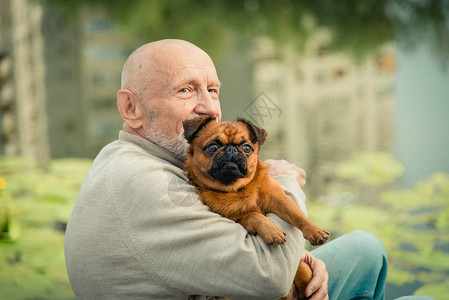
(357, 267)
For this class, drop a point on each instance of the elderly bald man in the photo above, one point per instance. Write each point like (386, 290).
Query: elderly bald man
(138, 230)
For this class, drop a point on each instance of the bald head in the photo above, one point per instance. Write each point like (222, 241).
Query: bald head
(152, 63)
(163, 84)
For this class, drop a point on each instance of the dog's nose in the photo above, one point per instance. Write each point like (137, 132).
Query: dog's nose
(231, 150)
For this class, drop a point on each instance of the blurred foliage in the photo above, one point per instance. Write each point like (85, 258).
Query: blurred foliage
(370, 169)
(359, 27)
(35, 205)
(412, 223)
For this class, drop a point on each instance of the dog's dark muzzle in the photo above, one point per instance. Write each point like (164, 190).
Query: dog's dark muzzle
(229, 165)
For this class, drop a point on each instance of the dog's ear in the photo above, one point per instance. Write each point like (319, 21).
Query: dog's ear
(256, 134)
(193, 126)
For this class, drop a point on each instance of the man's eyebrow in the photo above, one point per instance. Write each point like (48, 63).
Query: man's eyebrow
(182, 81)
(216, 83)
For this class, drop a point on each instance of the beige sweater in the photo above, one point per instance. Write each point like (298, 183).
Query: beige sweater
(138, 230)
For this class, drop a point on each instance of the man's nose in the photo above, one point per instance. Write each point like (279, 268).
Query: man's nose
(207, 105)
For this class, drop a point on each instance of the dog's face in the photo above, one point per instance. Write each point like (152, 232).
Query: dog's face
(222, 156)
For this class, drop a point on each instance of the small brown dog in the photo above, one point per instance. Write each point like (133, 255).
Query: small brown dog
(224, 166)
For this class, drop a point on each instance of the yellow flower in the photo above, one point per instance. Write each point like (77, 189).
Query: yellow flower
(2, 183)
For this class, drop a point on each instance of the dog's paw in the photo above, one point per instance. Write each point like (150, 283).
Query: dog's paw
(316, 236)
(273, 236)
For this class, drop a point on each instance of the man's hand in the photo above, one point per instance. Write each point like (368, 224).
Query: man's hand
(317, 287)
(283, 167)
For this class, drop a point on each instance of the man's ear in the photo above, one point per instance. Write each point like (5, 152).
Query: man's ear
(256, 134)
(193, 126)
(128, 108)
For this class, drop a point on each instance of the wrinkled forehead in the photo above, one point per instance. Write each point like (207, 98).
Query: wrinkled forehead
(232, 133)
(176, 67)
(188, 68)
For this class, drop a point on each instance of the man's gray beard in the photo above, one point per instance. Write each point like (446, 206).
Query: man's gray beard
(178, 146)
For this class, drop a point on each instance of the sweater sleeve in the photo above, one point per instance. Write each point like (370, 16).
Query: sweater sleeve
(188, 249)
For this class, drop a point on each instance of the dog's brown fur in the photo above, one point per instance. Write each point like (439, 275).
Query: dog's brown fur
(249, 198)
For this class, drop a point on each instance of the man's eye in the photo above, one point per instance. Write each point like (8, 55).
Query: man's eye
(183, 90)
(212, 148)
(213, 91)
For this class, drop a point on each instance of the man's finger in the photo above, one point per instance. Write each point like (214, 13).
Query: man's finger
(314, 284)
(322, 292)
(319, 279)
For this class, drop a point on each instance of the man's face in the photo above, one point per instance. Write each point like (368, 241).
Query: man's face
(186, 86)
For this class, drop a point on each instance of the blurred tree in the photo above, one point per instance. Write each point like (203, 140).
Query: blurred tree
(359, 27)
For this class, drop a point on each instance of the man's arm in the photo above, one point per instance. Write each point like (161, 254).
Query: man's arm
(195, 251)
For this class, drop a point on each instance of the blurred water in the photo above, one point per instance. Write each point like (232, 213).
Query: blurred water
(422, 109)
(422, 123)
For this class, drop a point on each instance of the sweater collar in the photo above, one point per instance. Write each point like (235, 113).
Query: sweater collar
(151, 148)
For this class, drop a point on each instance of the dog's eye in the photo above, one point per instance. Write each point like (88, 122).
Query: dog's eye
(212, 148)
(247, 149)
